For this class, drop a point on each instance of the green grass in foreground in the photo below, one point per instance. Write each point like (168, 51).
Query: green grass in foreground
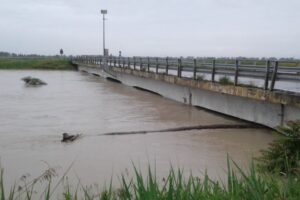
(239, 185)
(36, 63)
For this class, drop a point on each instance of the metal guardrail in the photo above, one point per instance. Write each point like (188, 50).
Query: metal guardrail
(268, 70)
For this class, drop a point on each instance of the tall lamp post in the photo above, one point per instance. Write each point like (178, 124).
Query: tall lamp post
(104, 12)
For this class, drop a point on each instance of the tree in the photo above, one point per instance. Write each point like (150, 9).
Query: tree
(61, 52)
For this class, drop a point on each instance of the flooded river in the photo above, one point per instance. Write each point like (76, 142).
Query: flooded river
(32, 120)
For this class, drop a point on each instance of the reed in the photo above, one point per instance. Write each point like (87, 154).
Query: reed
(241, 184)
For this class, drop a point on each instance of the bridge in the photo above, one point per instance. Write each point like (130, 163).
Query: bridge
(266, 92)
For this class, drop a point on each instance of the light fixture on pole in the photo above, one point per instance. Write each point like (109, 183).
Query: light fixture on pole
(104, 12)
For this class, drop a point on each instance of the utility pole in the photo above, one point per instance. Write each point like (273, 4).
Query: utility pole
(104, 12)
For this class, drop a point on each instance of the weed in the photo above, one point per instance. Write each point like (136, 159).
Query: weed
(240, 184)
(200, 77)
(225, 80)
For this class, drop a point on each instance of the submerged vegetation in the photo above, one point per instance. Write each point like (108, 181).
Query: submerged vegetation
(277, 176)
(55, 63)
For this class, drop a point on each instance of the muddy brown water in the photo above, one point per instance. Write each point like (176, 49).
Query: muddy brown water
(32, 120)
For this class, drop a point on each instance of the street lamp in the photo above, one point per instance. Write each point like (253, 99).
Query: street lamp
(104, 12)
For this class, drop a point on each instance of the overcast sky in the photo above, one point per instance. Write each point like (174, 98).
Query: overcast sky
(252, 28)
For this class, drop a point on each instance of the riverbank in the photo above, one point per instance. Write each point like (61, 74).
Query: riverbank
(239, 184)
(36, 63)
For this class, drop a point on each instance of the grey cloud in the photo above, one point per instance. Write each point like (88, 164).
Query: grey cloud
(158, 28)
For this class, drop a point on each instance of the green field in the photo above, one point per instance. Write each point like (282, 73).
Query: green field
(36, 63)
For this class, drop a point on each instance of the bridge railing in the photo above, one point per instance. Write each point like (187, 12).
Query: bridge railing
(268, 71)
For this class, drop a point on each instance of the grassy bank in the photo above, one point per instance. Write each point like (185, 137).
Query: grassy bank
(239, 185)
(36, 63)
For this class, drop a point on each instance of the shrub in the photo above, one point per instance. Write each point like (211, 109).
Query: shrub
(200, 77)
(225, 80)
(283, 154)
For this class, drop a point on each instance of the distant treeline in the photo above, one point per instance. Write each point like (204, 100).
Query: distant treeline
(206, 57)
(248, 58)
(14, 55)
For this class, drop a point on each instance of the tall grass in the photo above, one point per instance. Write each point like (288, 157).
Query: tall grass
(240, 185)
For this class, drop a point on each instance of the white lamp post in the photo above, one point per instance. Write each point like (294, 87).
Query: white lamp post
(104, 12)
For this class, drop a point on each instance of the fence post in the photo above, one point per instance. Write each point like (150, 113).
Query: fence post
(167, 66)
(141, 64)
(274, 76)
(236, 75)
(119, 61)
(134, 63)
(195, 69)
(213, 70)
(128, 62)
(179, 68)
(267, 75)
(148, 64)
(156, 60)
(123, 59)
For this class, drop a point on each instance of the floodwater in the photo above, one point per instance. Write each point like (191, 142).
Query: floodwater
(32, 120)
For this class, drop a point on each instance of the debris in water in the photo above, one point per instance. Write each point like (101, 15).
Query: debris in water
(31, 81)
(188, 128)
(69, 138)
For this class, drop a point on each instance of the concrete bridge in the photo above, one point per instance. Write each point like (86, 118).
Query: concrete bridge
(194, 82)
